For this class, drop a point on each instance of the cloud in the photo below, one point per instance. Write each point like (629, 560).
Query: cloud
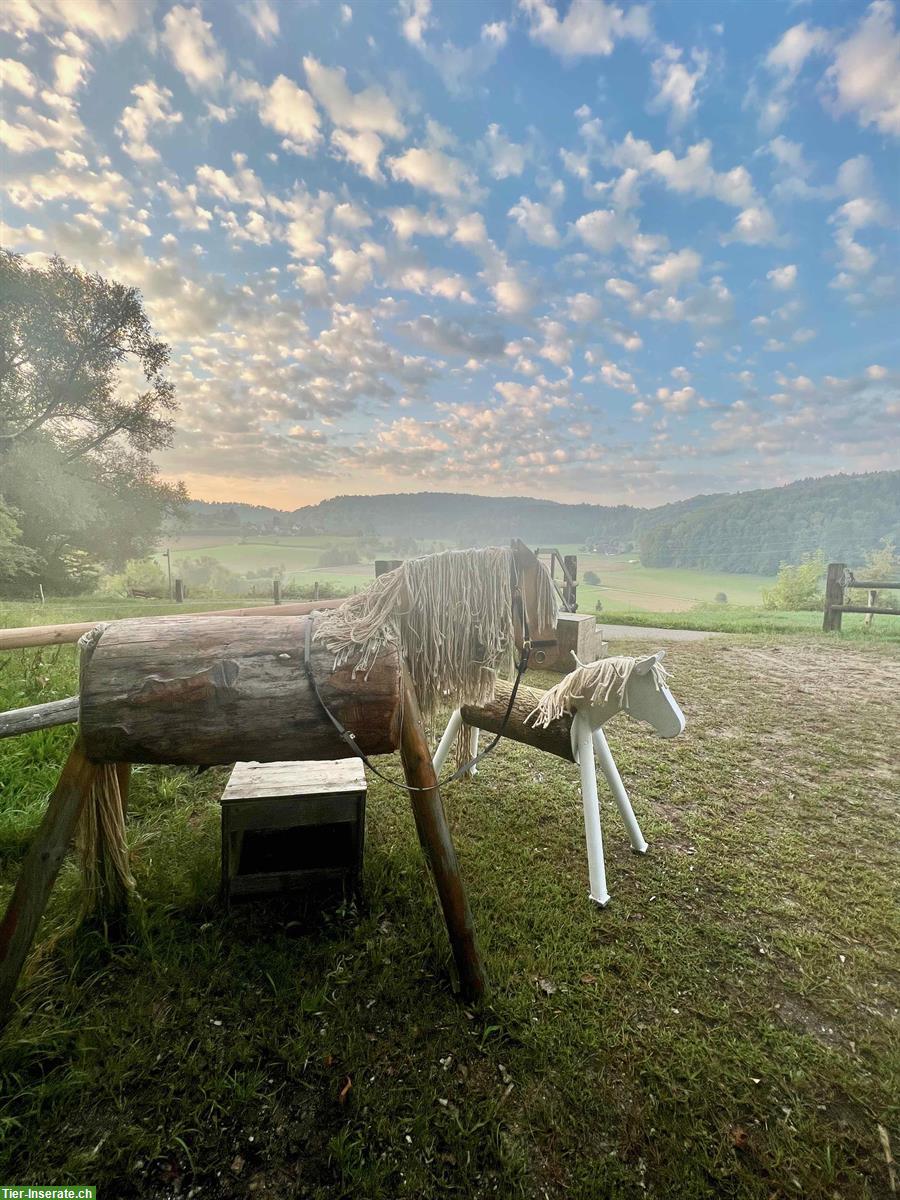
(243, 187)
(185, 206)
(676, 269)
(783, 64)
(17, 77)
(101, 190)
(106, 20)
(193, 48)
(506, 157)
(368, 111)
(865, 76)
(432, 171)
(71, 68)
(583, 307)
(457, 66)
(783, 278)
(60, 130)
(290, 111)
(263, 18)
(456, 338)
(676, 85)
(536, 222)
(589, 27)
(152, 106)
(362, 150)
(408, 222)
(790, 52)
(694, 174)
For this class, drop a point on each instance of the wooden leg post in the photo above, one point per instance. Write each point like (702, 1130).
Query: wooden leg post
(434, 834)
(39, 870)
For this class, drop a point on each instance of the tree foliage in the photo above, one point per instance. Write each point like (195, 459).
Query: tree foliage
(882, 563)
(84, 402)
(16, 560)
(798, 587)
(753, 532)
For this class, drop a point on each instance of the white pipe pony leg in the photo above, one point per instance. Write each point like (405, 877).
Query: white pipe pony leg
(473, 748)
(617, 787)
(583, 745)
(447, 741)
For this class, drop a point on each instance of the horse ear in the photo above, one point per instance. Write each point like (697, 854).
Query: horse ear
(643, 665)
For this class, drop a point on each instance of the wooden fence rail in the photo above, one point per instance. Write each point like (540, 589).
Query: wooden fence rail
(838, 580)
(60, 635)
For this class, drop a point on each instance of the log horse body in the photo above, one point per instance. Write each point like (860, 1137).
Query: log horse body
(210, 690)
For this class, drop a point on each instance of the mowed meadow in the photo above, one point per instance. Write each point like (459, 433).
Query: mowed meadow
(625, 585)
(726, 1027)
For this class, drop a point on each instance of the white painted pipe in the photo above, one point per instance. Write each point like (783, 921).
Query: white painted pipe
(581, 729)
(473, 748)
(617, 787)
(447, 741)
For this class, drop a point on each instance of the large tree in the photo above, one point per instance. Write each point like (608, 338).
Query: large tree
(84, 402)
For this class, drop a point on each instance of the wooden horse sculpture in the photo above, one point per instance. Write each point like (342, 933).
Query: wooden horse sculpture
(568, 721)
(217, 689)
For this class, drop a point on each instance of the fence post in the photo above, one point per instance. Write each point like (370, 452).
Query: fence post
(570, 590)
(316, 590)
(276, 591)
(873, 595)
(179, 591)
(834, 597)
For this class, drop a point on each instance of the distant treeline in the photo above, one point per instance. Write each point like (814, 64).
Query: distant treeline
(750, 532)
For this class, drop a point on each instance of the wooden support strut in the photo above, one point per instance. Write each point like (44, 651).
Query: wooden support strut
(39, 870)
(436, 841)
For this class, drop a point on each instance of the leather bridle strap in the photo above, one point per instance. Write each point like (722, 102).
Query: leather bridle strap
(349, 739)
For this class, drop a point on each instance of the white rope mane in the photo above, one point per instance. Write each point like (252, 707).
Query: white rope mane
(603, 682)
(451, 614)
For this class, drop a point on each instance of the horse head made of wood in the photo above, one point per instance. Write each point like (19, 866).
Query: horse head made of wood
(535, 602)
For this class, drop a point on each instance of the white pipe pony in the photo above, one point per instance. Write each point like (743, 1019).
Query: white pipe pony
(593, 693)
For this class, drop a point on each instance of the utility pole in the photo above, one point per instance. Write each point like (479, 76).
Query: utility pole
(168, 554)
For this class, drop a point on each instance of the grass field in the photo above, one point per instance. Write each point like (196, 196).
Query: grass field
(624, 584)
(726, 1028)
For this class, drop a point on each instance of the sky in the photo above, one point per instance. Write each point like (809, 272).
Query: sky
(579, 250)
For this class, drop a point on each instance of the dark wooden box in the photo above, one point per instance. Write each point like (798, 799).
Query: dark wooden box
(289, 824)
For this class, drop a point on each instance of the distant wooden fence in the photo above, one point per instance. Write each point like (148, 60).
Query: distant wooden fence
(840, 579)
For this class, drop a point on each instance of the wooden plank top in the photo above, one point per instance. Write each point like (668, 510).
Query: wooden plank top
(255, 780)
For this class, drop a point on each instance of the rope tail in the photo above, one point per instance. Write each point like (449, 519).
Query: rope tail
(100, 835)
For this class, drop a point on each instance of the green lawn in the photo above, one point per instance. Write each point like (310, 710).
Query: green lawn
(727, 1027)
(625, 584)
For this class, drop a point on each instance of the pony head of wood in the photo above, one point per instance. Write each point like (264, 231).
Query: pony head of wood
(601, 689)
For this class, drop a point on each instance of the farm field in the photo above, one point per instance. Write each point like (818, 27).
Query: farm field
(625, 584)
(725, 1028)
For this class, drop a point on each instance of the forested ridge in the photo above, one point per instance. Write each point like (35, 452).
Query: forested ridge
(750, 532)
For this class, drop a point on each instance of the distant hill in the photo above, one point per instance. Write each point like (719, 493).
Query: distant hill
(749, 532)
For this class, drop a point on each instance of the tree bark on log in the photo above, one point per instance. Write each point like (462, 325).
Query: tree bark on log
(555, 739)
(225, 689)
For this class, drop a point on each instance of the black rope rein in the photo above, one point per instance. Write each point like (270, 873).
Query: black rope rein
(349, 738)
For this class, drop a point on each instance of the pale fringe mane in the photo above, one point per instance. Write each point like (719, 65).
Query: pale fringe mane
(451, 614)
(600, 682)
(100, 833)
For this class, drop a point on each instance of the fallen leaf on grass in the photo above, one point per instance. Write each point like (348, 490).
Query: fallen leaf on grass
(345, 1090)
(547, 986)
(237, 1165)
(739, 1137)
